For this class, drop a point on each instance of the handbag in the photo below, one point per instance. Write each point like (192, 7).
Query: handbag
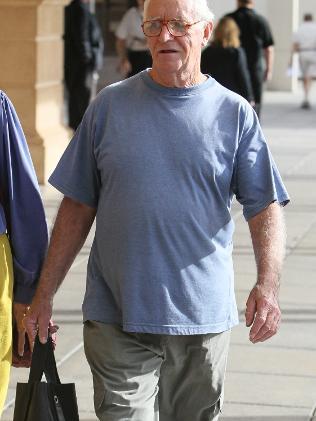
(45, 401)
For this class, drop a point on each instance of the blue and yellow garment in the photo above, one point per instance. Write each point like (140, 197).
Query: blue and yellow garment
(23, 230)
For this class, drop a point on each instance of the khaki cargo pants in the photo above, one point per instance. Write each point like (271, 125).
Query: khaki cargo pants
(147, 377)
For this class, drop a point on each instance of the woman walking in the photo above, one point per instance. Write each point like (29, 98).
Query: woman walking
(23, 239)
(226, 61)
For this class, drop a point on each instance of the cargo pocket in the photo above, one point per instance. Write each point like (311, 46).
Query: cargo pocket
(221, 403)
(215, 410)
(99, 399)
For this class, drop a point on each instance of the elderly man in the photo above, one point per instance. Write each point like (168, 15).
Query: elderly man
(158, 159)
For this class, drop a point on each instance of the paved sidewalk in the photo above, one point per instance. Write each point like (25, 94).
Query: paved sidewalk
(265, 382)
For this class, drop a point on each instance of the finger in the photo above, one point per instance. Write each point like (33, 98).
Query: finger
(21, 342)
(271, 331)
(259, 321)
(52, 333)
(53, 329)
(266, 327)
(31, 330)
(250, 310)
(43, 326)
(264, 337)
(269, 328)
(21, 363)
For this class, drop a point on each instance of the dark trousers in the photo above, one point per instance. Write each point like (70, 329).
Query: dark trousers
(79, 86)
(257, 76)
(140, 60)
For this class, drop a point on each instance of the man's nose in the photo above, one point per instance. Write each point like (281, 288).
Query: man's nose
(165, 34)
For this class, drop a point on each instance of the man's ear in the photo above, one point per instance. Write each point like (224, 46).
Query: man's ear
(207, 33)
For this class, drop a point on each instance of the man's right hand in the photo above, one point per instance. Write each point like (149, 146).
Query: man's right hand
(72, 225)
(37, 319)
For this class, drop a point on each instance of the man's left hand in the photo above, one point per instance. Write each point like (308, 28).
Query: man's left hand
(262, 313)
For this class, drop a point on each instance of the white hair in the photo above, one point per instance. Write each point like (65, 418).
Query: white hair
(202, 10)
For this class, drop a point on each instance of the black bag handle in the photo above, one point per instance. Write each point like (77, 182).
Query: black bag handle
(43, 361)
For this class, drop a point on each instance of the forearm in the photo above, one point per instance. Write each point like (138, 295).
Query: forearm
(268, 238)
(70, 230)
(269, 59)
(121, 49)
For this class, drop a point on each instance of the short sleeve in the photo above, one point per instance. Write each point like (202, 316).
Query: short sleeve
(268, 40)
(76, 174)
(256, 180)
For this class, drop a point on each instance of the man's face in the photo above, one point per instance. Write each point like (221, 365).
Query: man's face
(176, 54)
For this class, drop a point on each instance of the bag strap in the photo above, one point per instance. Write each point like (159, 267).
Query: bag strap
(43, 361)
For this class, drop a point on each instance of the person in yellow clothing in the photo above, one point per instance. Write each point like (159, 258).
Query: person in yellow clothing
(23, 240)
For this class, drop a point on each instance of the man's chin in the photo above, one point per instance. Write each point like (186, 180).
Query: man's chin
(168, 66)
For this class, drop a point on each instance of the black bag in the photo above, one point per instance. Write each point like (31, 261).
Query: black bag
(41, 401)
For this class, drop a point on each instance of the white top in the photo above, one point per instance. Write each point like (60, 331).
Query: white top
(305, 36)
(131, 31)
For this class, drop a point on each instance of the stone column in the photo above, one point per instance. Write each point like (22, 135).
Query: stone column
(283, 16)
(31, 73)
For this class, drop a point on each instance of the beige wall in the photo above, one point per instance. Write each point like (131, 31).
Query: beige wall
(307, 6)
(288, 10)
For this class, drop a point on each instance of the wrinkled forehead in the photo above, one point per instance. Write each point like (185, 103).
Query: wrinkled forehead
(170, 9)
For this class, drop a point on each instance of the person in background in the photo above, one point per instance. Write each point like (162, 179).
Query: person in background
(23, 240)
(131, 44)
(304, 43)
(257, 41)
(157, 161)
(83, 55)
(225, 60)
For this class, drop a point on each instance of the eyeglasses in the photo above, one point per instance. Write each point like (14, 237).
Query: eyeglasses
(176, 28)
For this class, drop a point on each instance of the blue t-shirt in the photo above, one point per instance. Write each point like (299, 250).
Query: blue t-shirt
(162, 165)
